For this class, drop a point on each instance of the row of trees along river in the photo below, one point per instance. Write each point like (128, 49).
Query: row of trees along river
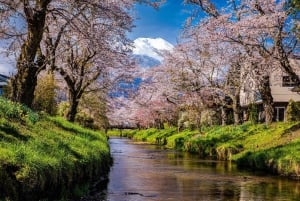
(82, 49)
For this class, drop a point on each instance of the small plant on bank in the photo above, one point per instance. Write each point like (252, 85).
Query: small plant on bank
(293, 111)
(17, 112)
(253, 113)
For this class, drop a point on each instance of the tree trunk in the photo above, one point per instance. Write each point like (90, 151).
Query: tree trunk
(74, 102)
(23, 85)
(198, 121)
(24, 82)
(223, 116)
(267, 99)
(236, 109)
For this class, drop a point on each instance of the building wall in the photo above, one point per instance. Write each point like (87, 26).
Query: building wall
(281, 91)
(248, 93)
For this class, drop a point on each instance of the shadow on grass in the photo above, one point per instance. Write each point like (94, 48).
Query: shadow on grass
(67, 148)
(78, 131)
(12, 131)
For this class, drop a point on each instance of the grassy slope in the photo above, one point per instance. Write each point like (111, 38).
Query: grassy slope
(46, 156)
(274, 148)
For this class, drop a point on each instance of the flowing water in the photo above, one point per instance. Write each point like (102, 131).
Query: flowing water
(147, 172)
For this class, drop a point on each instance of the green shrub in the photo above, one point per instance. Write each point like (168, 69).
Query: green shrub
(16, 111)
(210, 117)
(63, 108)
(45, 94)
(85, 120)
(253, 113)
(293, 111)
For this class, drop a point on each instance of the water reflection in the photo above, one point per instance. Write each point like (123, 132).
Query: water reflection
(145, 172)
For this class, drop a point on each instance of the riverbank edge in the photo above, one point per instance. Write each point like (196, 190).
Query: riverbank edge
(49, 182)
(48, 158)
(273, 148)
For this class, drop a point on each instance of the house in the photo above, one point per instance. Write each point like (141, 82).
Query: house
(281, 88)
(3, 82)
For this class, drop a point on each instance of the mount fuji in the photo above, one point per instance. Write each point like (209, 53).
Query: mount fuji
(148, 51)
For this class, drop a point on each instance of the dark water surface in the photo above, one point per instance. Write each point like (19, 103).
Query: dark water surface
(146, 172)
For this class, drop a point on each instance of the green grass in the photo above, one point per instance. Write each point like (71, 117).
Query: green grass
(42, 156)
(275, 147)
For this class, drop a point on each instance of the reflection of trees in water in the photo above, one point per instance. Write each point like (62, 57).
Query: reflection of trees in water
(142, 172)
(271, 190)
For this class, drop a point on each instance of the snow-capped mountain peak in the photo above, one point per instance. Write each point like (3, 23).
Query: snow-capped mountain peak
(151, 47)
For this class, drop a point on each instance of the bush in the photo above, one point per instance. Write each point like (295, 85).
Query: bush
(16, 111)
(45, 94)
(85, 120)
(210, 117)
(253, 113)
(293, 111)
(63, 109)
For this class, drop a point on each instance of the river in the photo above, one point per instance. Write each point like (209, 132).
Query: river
(147, 172)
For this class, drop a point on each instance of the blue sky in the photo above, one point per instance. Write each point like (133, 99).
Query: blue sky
(166, 22)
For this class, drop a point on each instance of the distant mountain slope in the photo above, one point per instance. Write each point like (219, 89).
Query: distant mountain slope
(145, 61)
(148, 51)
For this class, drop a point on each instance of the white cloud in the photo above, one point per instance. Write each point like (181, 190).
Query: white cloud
(151, 47)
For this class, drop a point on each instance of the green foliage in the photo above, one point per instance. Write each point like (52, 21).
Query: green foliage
(48, 159)
(230, 118)
(210, 117)
(85, 120)
(293, 111)
(253, 113)
(45, 94)
(17, 112)
(63, 108)
(283, 160)
(122, 132)
(91, 111)
(272, 147)
(93, 106)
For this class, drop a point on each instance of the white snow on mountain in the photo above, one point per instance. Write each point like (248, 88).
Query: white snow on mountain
(145, 61)
(151, 47)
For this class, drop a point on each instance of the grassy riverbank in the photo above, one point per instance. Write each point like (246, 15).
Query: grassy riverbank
(44, 157)
(273, 148)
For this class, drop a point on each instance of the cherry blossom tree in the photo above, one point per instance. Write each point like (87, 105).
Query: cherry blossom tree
(31, 15)
(209, 69)
(22, 27)
(260, 30)
(153, 103)
(88, 47)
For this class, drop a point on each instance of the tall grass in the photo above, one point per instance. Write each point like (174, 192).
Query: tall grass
(45, 157)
